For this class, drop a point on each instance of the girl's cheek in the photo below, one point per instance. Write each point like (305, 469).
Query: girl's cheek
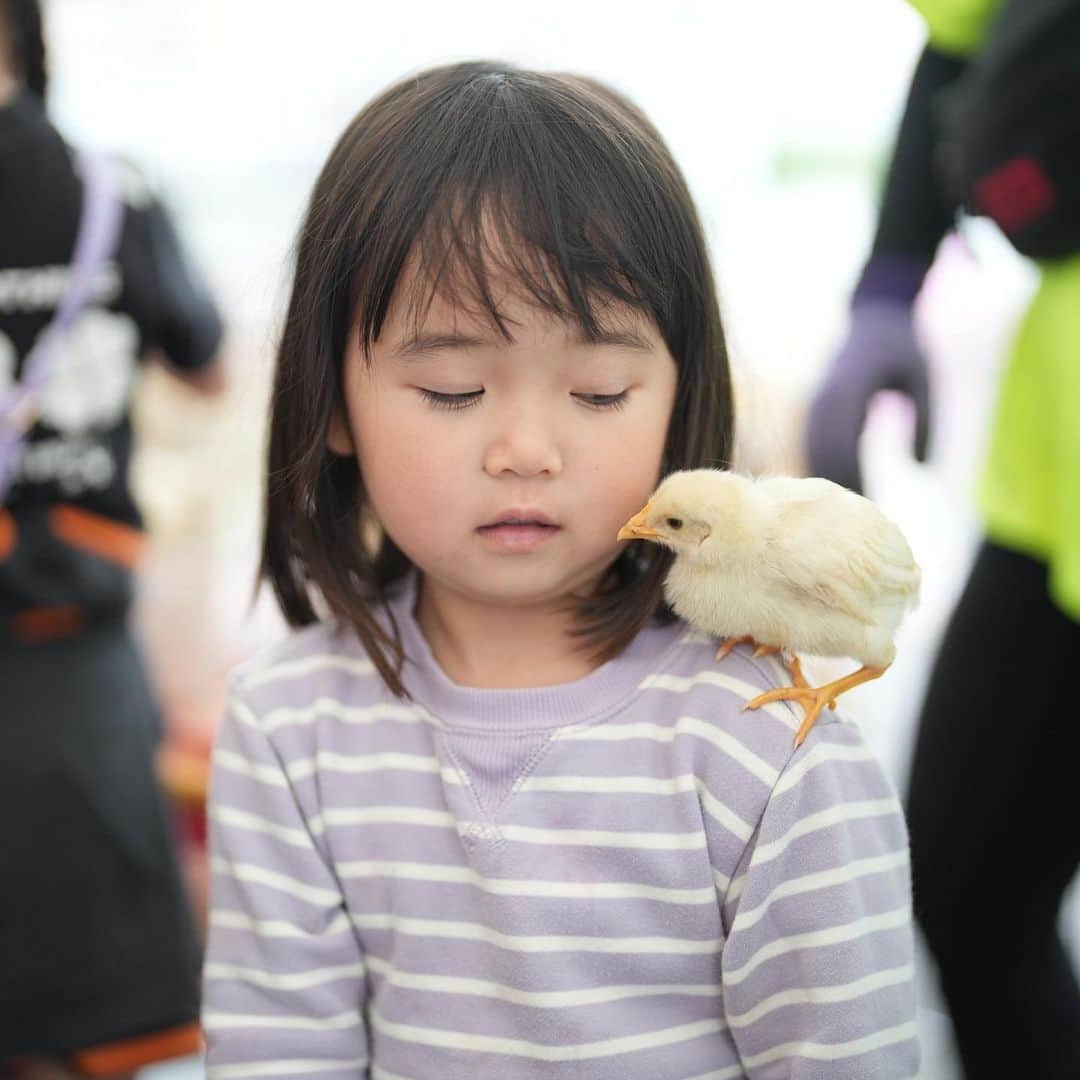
(426, 474)
(617, 485)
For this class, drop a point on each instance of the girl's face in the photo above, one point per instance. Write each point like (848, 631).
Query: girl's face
(457, 429)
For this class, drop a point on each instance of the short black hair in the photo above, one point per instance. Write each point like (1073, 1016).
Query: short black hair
(431, 172)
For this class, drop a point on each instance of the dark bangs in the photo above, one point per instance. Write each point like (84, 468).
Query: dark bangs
(471, 177)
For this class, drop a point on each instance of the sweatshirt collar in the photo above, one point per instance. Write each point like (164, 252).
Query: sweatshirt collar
(603, 691)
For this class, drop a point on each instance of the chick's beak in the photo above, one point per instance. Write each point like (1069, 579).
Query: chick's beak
(636, 529)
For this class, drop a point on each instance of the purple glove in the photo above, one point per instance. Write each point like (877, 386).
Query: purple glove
(880, 353)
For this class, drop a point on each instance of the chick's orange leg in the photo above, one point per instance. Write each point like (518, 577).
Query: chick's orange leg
(815, 698)
(792, 664)
(795, 670)
(731, 642)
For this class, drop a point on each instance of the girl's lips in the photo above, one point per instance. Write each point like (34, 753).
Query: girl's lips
(517, 538)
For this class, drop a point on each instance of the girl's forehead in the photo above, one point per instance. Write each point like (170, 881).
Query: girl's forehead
(489, 274)
(502, 306)
(445, 325)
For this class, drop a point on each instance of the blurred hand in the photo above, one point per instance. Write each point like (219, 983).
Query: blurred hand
(880, 353)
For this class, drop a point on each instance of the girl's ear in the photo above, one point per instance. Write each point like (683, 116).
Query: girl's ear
(339, 437)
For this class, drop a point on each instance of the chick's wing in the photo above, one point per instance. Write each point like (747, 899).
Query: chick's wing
(836, 549)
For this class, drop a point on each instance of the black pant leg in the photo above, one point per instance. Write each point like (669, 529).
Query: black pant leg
(995, 821)
(96, 940)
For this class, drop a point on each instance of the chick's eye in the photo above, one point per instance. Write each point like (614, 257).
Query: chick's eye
(674, 523)
(451, 401)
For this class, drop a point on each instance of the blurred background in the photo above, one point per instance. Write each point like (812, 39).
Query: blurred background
(782, 115)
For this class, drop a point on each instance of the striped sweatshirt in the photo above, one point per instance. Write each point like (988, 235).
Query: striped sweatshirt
(625, 877)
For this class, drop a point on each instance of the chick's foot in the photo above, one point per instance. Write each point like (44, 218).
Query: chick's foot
(791, 663)
(794, 667)
(746, 639)
(815, 698)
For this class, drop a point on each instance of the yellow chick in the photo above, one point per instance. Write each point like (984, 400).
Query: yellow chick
(791, 564)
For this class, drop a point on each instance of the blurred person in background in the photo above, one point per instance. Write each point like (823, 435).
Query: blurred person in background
(992, 123)
(98, 955)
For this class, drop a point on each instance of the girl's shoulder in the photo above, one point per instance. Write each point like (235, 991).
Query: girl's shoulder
(322, 661)
(743, 759)
(699, 693)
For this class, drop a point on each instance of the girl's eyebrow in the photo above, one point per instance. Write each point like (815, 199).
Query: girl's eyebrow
(421, 345)
(626, 337)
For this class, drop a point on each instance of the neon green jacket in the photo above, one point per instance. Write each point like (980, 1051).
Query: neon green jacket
(1029, 493)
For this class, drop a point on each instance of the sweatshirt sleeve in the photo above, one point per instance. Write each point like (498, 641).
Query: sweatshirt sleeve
(176, 310)
(818, 960)
(916, 209)
(284, 975)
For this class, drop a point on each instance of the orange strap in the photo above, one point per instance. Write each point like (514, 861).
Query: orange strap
(7, 533)
(35, 625)
(131, 1054)
(86, 531)
(96, 534)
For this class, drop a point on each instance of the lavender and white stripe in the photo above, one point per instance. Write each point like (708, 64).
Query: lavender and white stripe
(622, 877)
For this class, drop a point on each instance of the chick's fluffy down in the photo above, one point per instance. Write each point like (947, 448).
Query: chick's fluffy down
(815, 569)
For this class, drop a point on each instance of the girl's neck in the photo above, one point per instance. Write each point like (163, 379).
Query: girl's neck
(498, 648)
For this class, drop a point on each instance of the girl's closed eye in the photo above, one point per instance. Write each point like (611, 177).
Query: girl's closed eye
(604, 401)
(451, 401)
(472, 397)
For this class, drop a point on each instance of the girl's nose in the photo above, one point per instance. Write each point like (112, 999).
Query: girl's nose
(524, 446)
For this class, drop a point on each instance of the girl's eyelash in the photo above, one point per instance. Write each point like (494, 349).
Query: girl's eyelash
(451, 401)
(604, 401)
(463, 401)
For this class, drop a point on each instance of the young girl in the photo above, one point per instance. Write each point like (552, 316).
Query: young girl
(495, 813)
